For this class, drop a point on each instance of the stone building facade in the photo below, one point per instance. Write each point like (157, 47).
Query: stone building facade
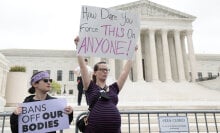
(59, 63)
(4, 67)
(165, 35)
(165, 54)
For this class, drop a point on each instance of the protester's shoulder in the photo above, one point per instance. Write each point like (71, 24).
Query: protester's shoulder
(114, 87)
(29, 98)
(91, 86)
(114, 84)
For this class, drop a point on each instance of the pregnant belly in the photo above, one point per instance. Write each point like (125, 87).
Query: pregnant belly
(105, 115)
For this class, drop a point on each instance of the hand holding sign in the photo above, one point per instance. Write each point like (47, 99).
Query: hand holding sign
(107, 33)
(18, 110)
(44, 116)
(76, 40)
(68, 110)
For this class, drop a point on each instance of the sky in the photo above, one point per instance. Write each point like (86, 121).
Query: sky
(53, 24)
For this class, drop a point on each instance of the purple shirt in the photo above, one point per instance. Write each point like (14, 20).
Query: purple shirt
(104, 116)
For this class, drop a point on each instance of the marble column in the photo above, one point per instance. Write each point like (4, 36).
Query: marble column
(153, 52)
(118, 67)
(137, 63)
(192, 60)
(185, 61)
(4, 68)
(146, 55)
(111, 66)
(173, 58)
(3, 81)
(166, 55)
(2, 91)
(94, 60)
(160, 58)
(179, 55)
(128, 78)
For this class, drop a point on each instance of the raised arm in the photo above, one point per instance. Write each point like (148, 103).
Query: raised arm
(124, 74)
(83, 69)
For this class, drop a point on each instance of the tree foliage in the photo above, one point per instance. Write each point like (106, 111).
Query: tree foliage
(18, 69)
(56, 87)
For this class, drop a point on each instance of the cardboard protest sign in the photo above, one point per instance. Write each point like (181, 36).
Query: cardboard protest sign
(108, 33)
(43, 116)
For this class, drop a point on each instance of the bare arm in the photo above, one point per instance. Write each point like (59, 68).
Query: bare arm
(83, 69)
(124, 74)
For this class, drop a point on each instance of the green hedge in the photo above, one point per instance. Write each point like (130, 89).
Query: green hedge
(18, 69)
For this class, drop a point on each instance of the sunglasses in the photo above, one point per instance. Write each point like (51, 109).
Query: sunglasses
(47, 80)
(104, 69)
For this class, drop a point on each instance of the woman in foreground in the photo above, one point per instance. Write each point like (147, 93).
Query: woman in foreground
(104, 117)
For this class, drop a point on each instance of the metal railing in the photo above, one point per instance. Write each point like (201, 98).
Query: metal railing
(199, 121)
(148, 121)
(3, 116)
